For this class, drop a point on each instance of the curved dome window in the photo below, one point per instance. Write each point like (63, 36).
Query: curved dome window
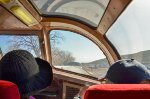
(130, 34)
(76, 53)
(81, 10)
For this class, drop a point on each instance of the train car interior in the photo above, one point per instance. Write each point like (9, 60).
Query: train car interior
(80, 39)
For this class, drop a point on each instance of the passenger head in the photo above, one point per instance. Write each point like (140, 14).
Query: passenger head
(30, 74)
(127, 71)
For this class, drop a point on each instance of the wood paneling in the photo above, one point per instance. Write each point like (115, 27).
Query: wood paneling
(114, 9)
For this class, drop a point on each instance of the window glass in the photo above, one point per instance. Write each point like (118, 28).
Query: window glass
(76, 53)
(130, 34)
(83, 10)
(29, 43)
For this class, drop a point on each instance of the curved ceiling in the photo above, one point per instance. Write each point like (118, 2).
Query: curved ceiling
(87, 11)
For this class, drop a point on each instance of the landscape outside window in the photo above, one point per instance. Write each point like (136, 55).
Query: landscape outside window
(29, 43)
(76, 53)
(134, 30)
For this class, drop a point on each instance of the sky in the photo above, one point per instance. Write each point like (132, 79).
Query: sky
(83, 49)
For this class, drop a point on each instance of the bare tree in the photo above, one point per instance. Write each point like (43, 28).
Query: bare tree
(31, 44)
(56, 38)
(1, 53)
(61, 57)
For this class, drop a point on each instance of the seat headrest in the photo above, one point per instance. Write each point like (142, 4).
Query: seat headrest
(118, 91)
(8, 90)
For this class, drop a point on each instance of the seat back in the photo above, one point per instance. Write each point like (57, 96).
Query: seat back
(8, 90)
(118, 91)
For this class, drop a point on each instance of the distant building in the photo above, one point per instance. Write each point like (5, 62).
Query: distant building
(1, 53)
